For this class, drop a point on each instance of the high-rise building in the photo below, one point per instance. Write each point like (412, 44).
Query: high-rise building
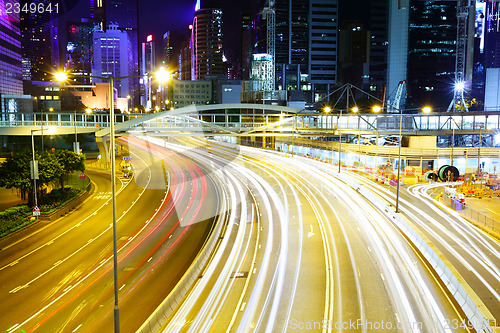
(79, 49)
(148, 64)
(10, 53)
(246, 45)
(305, 44)
(206, 44)
(185, 62)
(377, 25)
(431, 52)
(323, 45)
(39, 44)
(122, 14)
(354, 53)
(167, 50)
(112, 57)
(422, 39)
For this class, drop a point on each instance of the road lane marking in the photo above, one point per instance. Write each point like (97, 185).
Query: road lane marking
(76, 329)
(15, 290)
(310, 233)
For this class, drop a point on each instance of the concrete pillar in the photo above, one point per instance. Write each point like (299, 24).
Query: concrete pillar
(103, 145)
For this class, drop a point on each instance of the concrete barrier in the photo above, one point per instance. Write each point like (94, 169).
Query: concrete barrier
(160, 316)
(68, 207)
(474, 315)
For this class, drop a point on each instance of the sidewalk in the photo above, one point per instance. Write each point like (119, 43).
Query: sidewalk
(10, 198)
(487, 206)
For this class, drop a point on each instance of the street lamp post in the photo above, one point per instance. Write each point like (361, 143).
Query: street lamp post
(76, 148)
(34, 164)
(399, 158)
(34, 167)
(62, 77)
(340, 138)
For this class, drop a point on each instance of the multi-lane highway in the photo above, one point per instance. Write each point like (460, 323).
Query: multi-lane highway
(297, 250)
(312, 255)
(60, 279)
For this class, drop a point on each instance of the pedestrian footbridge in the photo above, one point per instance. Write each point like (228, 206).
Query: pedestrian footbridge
(251, 120)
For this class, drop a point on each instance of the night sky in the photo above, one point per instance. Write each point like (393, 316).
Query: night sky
(156, 17)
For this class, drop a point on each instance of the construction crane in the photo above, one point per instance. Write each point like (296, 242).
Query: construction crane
(269, 15)
(394, 106)
(463, 9)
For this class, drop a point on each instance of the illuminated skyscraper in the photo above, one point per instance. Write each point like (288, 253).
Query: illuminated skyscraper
(305, 44)
(39, 44)
(122, 14)
(10, 53)
(148, 64)
(112, 56)
(206, 44)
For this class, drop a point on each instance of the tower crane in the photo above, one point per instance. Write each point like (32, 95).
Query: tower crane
(269, 14)
(463, 9)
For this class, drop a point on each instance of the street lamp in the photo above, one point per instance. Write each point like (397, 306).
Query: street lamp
(426, 109)
(61, 77)
(399, 157)
(34, 163)
(377, 108)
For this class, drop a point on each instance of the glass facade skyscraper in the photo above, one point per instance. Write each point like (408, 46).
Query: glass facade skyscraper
(305, 44)
(206, 44)
(431, 52)
(123, 16)
(10, 53)
(39, 44)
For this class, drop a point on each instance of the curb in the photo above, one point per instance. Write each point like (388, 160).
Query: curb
(40, 224)
(486, 230)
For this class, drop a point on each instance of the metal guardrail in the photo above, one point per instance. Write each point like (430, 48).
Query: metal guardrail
(248, 120)
(465, 302)
(472, 214)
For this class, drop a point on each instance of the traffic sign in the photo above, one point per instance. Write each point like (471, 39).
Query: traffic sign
(82, 176)
(36, 211)
(127, 158)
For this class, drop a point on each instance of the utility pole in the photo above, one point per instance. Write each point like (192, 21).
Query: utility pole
(463, 8)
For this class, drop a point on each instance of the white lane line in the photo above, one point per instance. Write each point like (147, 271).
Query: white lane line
(15, 290)
(123, 285)
(76, 329)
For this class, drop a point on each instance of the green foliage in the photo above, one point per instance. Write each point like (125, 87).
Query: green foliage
(16, 217)
(15, 171)
(70, 161)
(13, 219)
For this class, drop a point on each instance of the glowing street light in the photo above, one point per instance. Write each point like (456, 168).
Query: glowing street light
(377, 108)
(426, 109)
(162, 75)
(460, 86)
(327, 109)
(355, 109)
(61, 76)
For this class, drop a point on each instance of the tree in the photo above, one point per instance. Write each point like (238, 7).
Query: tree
(70, 162)
(15, 173)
